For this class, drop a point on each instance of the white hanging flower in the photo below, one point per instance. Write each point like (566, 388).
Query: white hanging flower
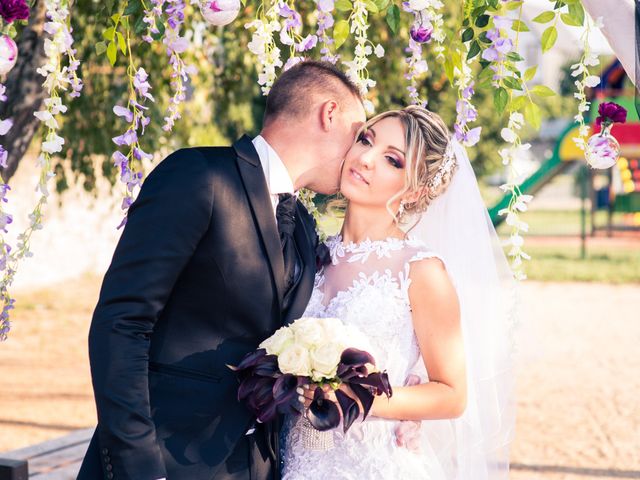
(592, 81)
(53, 145)
(508, 135)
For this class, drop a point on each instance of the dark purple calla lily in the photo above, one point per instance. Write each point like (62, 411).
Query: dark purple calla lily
(349, 407)
(323, 414)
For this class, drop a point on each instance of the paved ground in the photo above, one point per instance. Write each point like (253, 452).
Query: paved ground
(579, 382)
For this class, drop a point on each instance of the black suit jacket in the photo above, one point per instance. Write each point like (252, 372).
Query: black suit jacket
(195, 283)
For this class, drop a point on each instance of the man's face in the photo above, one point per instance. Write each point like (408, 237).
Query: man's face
(349, 120)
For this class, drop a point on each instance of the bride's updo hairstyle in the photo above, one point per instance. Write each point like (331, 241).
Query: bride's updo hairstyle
(429, 167)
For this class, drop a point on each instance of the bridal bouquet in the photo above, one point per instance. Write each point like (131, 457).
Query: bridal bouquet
(318, 352)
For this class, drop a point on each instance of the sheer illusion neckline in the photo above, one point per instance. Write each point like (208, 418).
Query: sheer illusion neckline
(360, 251)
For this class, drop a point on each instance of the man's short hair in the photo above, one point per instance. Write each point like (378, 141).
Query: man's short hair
(291, 92)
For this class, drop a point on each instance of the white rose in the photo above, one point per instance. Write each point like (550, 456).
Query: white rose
(324, 360)
(334, 329)
(295, 360)
(308, 331)
(276, 343)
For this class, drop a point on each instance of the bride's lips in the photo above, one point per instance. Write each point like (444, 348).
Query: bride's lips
(358, 176)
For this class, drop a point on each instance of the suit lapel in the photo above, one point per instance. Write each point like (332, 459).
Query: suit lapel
(258, 195)
(303, 238)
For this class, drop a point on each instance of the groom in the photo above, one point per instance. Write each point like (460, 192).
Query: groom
(216, 255)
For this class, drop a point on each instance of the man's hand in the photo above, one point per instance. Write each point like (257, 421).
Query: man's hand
(408, 431)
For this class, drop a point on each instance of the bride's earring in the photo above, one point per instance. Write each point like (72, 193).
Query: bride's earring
(400, 210)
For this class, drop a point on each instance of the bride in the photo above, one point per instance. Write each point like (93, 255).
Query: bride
(416, 267)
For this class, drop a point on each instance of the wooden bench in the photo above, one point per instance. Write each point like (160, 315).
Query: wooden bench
(57, 459)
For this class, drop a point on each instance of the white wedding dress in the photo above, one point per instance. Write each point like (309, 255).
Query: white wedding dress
(366, 286)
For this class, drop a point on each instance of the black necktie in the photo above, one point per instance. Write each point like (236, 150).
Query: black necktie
(286, 218)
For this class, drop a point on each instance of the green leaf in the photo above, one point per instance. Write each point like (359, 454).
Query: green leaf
(569, 20)
(109, 5)
(133, 7)
(393, 18)
(500, 99)
(549, 37)
(483, 38)
(343, 5)
(121, 43)
(467, 35)
(473, 50)
(340, 32)
(482, 21)
(515, 57)
(160, 34)
(115, 18)
(109, 33)
(519, 26)
(140, 27)
(542, 91)
(514, 5)
(101, 47)
(112, 51)
(545, 17)
(530, 73)
(517, 103)
(532, 115)
(371, 6)
(485, 74)
(448, 68)
(576, 10)
(513, 83)
(382, 4)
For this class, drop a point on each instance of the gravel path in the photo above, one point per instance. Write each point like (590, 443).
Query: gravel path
(578, 391)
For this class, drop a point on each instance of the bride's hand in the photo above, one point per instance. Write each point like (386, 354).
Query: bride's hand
(407, 431)
(306, 393)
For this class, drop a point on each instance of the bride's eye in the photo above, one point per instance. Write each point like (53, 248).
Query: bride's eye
(362, 138)
(395, 162)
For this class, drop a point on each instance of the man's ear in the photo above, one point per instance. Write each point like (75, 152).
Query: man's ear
(328, 114)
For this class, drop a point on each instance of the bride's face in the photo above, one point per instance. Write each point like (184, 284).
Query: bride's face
(374, 168)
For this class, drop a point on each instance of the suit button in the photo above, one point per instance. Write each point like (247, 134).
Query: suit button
(105, 451)
(107, 459)
(109, 467)
(109, 475)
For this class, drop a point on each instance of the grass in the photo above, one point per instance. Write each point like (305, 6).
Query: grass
(559, 262)
(555, 263)
(561, 222)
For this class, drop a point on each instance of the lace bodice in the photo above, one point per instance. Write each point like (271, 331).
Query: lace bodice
(366, 285)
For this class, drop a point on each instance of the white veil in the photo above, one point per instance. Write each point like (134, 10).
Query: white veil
(457, 226)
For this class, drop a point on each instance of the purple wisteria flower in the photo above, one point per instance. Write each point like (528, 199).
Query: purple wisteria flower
(11, 10)
(421, 31)
(307, 43)
(611, 112)
(325, 22)
(128, 138)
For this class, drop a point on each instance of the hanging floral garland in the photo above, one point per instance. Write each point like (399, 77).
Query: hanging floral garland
(480, 54)
(60, 72)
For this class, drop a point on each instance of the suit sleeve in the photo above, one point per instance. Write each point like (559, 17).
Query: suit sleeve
(165, 225)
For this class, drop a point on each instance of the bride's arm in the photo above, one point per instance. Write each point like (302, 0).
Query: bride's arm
(436, 320)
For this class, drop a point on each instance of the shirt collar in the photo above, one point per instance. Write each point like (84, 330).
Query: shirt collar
(276, 174)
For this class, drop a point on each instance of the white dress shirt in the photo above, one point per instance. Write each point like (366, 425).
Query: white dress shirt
(276, 174)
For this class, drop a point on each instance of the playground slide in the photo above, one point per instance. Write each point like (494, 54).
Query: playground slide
(551, 167)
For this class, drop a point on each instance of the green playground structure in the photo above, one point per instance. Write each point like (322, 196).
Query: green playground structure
(565, 153)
